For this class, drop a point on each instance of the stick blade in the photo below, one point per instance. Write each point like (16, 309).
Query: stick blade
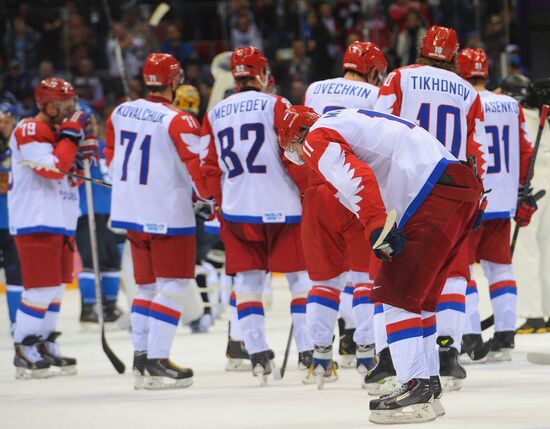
(277, 374)
(161, 10)
(117, 363)
(390, 221)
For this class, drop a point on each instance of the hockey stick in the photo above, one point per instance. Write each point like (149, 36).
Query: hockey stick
(487, 323)
(279, 373)
(117, 363)
(46, 167)
(161, 10)
(390, 221)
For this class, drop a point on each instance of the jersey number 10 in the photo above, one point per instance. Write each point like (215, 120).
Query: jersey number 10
(443, 111)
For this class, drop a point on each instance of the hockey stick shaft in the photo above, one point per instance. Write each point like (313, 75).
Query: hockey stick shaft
(489, 321)
(117, 363)
(67, 173)
(287, 351)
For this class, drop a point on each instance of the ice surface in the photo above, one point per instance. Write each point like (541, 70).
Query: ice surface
(505, 395)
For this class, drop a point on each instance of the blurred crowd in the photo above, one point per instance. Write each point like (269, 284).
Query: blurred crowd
(304, 40)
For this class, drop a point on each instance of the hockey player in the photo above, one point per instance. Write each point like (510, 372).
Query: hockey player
(342, 240)
(532, 252)
(509, 154)
(433, 95)
(436, 199)
(43, 210)
(110, 246)
(152, 149)
(10, 260)
(260, 202)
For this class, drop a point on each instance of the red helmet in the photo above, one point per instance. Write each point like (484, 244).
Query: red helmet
(473, 63)
(160, 70)
(247, 62)
(53, 89)
(362, 57)
(440, 43)
(296, 120)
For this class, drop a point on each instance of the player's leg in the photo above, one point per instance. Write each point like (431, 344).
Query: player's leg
(346, 327)
(173, 262)
(86, 278)
(299, 285)
(363, 313)
(12, 270)
(543, 242)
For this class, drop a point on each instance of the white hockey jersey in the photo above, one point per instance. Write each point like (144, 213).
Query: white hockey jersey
(339, 93)
(39, 200)
(153, 153)
(508, 148)
(243, 163)
(441, 102)
(406, 160)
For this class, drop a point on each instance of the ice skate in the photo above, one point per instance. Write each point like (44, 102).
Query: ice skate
(532, 326)
(261, 366)
(59, 364)
(28, 362)
(114, 317)
(164, 374)
(346, 348)
(323, 369)
(138, 369)
(88, 318)
(410, 403)
(202, 324)
(364, 355)
(437, 390)
(450, 370)
(502, 344)
(473, 349)
(381, 378)
(238, 358)
(305, 360)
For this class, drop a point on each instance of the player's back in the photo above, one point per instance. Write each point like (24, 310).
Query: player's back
(152, 187)
(438, 100)
(256, 187)
(503, 128)
(339, 93)
(405, 159)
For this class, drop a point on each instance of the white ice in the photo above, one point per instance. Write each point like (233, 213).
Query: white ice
(505, 395)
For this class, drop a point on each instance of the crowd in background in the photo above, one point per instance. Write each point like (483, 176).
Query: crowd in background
(304, 40)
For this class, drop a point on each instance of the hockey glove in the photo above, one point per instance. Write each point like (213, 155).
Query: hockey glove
(527, 206)
(204, 208)
(73, 127)
(393, 244)
(89, 148)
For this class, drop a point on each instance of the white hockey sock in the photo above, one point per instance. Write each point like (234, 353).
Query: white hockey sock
(503, 292)
(52, 313)
(140, 315)
(299, 285)
(346, 304)
(363, 309)
(379, 322)
(32, 310)
(250, 309)
(235, 331)
(323, 301)
(472, 323)
(429, 334)
(164, 316)
(405, 338)
(451, 310)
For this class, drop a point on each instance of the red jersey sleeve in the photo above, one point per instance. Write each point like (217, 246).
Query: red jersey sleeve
(185, 133)
(209, 162)
(390, 96)
(38, 143)
(476, 138)
(109, 148)
(525, 148)
(329, 155)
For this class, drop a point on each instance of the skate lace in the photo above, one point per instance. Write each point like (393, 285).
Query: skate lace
(31, 353)
(396, 392)
(53, 349)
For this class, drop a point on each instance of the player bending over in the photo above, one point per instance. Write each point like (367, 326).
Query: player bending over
(152, 149)
(436, 199)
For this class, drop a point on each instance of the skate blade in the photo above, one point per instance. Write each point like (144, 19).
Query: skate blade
(261, 372)
(410, 414)
(238, 365)
(382, 387)
(451, 384)
(29, 374)
(362, 370)
(465, 359)
(60, 371)
(348, 361)
(502, 355)
(93, 328)
(438, 408)
(139, 380)
(165, 383)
